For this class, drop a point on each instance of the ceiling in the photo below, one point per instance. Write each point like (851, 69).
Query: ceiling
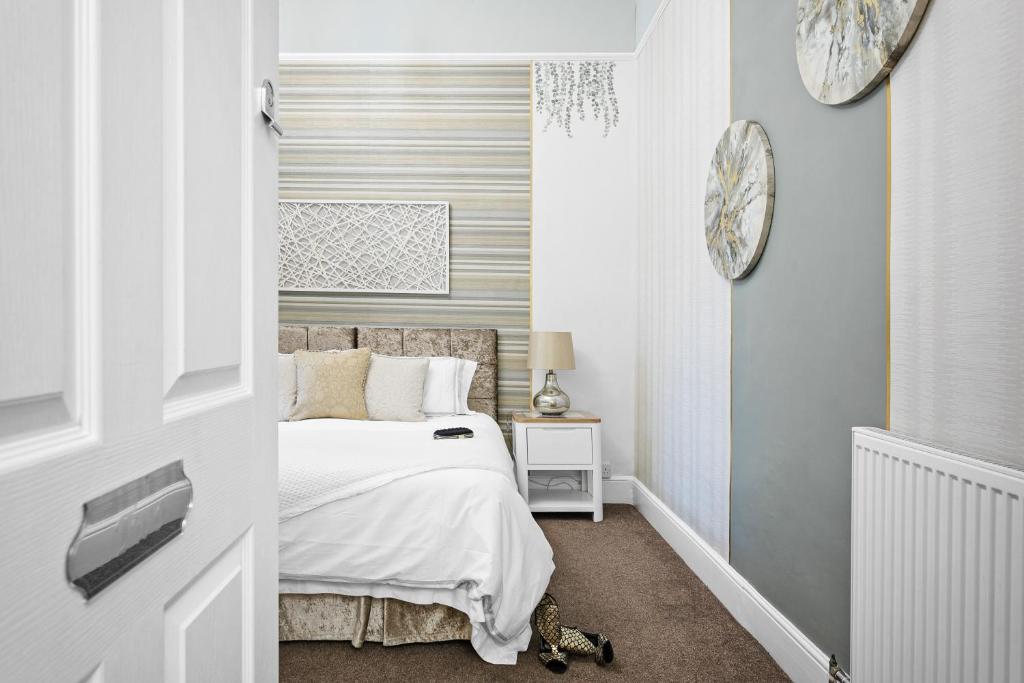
(463, 26)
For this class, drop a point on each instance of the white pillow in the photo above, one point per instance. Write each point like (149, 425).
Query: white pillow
(446, 391)
(441, 389)
(394, 388)
(467, 368)
(286, 386)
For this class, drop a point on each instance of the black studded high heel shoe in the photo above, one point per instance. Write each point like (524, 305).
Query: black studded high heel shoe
(546, 621)
(577, 642)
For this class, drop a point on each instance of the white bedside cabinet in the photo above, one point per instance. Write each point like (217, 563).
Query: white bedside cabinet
(571, 442)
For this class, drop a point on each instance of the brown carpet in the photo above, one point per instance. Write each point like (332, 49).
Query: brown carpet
(619, 577)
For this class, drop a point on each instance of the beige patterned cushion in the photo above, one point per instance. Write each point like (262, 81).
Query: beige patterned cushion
(331, 384)
(394, 388)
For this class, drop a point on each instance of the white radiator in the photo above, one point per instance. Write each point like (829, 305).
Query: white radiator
(937, 567)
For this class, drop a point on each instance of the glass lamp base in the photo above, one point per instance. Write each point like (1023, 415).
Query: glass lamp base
(551, 401)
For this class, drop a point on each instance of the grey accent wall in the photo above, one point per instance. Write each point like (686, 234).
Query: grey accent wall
(809, 331)
(447, 26)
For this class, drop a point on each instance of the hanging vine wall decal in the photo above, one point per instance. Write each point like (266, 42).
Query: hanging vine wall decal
(563, 89)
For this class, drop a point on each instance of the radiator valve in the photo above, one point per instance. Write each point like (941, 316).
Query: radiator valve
(836, 673)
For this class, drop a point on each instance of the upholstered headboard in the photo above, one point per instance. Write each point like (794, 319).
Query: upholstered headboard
(472, 344)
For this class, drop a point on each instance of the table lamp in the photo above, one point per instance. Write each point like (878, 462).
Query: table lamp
(551, 351)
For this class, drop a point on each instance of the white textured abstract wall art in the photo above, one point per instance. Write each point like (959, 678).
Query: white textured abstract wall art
(363, 246)
(844, 48)
(739, 199)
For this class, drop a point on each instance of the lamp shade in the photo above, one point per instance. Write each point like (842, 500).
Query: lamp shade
(551, 351)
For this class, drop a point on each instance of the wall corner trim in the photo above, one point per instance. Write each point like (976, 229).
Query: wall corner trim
(801, 659)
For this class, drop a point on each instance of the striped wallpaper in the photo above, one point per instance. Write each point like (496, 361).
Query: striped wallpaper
(456, 132)
(682, 418)
(957, 286)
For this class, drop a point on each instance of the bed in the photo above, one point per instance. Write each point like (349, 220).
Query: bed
(387, 534)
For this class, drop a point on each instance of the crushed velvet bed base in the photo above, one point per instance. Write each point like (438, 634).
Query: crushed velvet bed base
(328, 616)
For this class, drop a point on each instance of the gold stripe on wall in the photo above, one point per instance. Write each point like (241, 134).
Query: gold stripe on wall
(532, 77)
(888, 251)
(455, 132)
(731, 285)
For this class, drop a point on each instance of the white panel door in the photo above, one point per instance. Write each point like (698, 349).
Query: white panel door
(138, 203)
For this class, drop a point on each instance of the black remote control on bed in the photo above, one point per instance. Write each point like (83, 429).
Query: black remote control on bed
(454, 433)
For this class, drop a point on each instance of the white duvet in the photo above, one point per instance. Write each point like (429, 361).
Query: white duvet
(382, 509)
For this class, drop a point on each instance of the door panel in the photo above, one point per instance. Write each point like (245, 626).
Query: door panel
(138, 297)
(47, 195)
(207, 629)
(207, 155)
(215, 63)
(34, 189)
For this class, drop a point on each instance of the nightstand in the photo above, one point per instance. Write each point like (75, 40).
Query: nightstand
(571, 442)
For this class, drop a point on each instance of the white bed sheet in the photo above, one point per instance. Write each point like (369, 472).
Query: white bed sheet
(454, 535)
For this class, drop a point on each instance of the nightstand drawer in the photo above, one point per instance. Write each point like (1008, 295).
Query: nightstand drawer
(559, 446)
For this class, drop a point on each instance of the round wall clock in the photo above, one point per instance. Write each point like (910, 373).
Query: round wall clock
(739, 199)
(844, 48)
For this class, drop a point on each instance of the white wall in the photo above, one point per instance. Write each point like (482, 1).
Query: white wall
(457, 26)
(683, 384)
(957, 231)
(584, 262)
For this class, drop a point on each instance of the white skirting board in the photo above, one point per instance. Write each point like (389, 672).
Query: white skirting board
(795, 653)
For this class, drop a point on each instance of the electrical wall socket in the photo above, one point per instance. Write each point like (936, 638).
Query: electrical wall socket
(606, 470)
